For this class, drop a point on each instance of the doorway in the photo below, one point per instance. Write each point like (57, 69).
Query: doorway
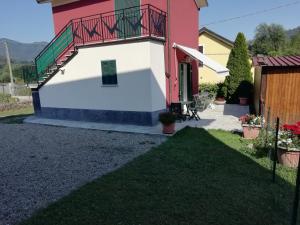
(185, 82)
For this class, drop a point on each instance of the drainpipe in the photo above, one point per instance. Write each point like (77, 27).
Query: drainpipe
(169, 49)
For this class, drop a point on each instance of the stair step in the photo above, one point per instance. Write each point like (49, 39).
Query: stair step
(32, 85)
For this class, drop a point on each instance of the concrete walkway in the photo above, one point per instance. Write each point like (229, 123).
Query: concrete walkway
(221, 117)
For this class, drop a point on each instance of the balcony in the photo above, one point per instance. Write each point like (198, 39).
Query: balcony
(145, 21)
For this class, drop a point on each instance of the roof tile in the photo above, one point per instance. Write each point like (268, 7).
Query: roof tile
(276, 61)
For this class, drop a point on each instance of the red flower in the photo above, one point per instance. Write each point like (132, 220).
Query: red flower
(294, 128)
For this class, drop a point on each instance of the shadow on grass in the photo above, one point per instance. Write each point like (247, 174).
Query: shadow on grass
(195, 178)
(15, 119)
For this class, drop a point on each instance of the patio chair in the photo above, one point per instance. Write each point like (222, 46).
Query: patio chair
(199, 104)
(176, 108)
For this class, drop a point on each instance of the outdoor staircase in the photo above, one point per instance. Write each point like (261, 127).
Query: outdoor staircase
(144, 21)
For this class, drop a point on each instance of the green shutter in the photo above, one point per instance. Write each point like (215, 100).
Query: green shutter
(109, 72)
(132, 16)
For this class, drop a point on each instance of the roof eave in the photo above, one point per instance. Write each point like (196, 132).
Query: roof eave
(201, 3)
(217, 36)
(43, 1)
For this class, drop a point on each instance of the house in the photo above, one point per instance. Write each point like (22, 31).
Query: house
(119, 61)
(277, 82)
(217, 48)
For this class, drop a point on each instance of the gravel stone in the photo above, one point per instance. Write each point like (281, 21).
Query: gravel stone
(41, 164)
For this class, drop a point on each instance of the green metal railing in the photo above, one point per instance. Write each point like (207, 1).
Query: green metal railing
(49, 56)
(142, 21)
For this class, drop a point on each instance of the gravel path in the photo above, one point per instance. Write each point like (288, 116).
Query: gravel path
(40, 164)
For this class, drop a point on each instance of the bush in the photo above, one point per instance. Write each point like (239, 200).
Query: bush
(221, 90)
(264, 144)
(167, 118)
(212, 89)
(239, 70)
(6, 98)
(24, 91)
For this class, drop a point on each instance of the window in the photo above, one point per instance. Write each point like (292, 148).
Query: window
(201, 49)
(109, 72)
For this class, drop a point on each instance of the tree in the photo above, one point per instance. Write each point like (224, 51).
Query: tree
(294, 45)
(269, 40)
(239, 82)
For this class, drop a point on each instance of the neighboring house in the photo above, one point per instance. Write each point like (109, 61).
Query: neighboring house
(119, 61)
(277, 82)
(217, 48)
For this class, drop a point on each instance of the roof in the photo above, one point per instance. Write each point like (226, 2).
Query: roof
(42, 1)
(217, 36)
(279, 61)
(200, 3)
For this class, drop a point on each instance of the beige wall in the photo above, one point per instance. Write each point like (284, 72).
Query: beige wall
(217, 51)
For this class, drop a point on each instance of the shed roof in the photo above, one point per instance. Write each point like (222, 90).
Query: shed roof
(277, 61)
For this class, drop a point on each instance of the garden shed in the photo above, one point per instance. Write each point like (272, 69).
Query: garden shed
(277, 87)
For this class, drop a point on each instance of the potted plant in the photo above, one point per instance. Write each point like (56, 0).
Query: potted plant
(221, 92)
(251, 125)
(168, 121)
(245, 90)
(289, 145)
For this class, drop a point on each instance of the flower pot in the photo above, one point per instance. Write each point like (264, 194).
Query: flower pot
(243, 101)
(289, 158)
(220, 101)
(250, 131)
(169, 129)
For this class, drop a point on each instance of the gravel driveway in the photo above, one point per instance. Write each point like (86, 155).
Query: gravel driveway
(40, 164)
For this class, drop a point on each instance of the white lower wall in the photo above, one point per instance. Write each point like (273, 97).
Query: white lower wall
(141, 79)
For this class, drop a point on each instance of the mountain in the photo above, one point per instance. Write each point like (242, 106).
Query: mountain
(292, 32)
(21, 52)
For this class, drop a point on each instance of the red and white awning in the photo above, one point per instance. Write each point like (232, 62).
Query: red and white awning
(195, 54)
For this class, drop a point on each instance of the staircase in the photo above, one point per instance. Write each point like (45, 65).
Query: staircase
(144, 21)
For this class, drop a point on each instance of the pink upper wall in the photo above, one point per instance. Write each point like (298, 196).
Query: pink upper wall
(64, 13)
(184, 25)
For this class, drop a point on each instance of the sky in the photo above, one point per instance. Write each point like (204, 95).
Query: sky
(26, 21)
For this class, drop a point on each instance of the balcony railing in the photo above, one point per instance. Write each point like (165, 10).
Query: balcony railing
(129, 23)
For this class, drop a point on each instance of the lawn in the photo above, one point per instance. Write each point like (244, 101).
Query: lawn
(15, 116)
(195, 178)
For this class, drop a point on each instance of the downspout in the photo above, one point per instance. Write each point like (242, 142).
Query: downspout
(169, 50)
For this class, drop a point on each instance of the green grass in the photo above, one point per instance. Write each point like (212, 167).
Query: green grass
(195, 178)
(15, 116)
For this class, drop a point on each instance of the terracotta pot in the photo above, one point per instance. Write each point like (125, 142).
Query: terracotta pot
(220, 101)
(243, 101)
(288, 158)
(251, 132)
(169, 129)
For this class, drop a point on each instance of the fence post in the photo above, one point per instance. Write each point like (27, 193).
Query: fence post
(124, 25)
(102, 31)
(275, 151)
(82, 34)
(149, 21)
